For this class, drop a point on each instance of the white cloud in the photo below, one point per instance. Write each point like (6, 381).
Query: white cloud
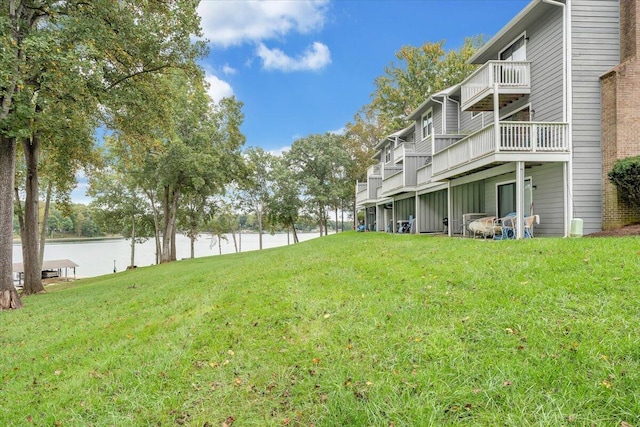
(218, 88)
(340, 131)
(315, 57)
(280, 151)
(228, 70)
(229, 23)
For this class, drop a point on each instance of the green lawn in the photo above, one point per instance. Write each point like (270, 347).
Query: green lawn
(355, 329)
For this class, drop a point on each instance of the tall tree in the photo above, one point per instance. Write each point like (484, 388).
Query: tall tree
(105, 45)
(422, 72)
(286, 203)
(318, 162)
(257, 189)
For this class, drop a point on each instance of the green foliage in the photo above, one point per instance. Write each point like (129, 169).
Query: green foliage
(422, 72)
(625, 175)
(536, 332)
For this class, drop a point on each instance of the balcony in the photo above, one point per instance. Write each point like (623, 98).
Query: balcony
(513, 80)
(401, 150)
(374, 170)
(366, 192)
(518, 141)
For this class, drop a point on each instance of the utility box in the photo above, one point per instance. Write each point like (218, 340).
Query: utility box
(576, 227)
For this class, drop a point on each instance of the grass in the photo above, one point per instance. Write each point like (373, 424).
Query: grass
(363, 329)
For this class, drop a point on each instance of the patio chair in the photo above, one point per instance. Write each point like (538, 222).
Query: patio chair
(507, 227)
(528, 225)
(483, 226)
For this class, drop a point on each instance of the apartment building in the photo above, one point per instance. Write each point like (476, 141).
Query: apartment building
(533, 131)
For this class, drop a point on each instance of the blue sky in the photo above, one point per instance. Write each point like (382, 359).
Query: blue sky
(307, 66)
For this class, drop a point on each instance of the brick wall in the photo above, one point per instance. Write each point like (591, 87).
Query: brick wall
(621, 116)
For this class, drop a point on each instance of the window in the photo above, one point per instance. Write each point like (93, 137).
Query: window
(387, 154)
(517, 51)
(506, 193)
(427, 124)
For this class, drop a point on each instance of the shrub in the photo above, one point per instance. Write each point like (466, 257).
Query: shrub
(625, 175)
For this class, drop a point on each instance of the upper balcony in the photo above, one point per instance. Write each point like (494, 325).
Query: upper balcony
(512, 79)
(402, 149)
(402, 178)
(514, 141)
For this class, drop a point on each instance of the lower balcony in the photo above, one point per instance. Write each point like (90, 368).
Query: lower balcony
(514, 141)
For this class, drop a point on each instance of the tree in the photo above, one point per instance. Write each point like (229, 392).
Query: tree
(105, 46)
(119, 205)
(286, 203)
(426, 70)
(318, 163)
(257, 189)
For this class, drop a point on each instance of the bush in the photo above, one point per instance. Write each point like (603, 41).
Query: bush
(625, 175)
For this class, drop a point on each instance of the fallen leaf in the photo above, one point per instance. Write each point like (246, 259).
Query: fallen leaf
(316, 361)
(326, 316)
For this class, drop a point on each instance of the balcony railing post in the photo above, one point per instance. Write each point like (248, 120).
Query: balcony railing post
(534, 137)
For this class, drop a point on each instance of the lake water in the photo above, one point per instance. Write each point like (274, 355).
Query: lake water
(97, 257)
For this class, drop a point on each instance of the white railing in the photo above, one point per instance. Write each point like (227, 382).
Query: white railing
(390, 171)
(507, 74)
(424, 174)
(392, 182)
(522, 137)
(361, 186)
(403, 149)
(443, 141)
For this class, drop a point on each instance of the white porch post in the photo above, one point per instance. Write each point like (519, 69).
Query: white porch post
(393, 216)
(416, 221)
(496, 116)
(449, 210)
(520, 200)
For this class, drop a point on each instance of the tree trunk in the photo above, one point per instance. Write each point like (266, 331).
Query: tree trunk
(192, 243)
(320, 221)
(295, 235)
(235, 242)
(174, 252)
(9, 298)
(168, 235)
(30, 246)
(132, 263)
(43, 227)
(259, 217)
(336, 219)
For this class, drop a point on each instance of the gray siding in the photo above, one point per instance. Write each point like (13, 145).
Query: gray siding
(452, 117)
(544, 50)
(595, 40)
(470, 124)
(433, 208)
(437, 119)
(404, 208)
(467, 198)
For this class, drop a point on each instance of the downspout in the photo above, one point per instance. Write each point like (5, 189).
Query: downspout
(444, 116)
(457, 112)
(567, 107)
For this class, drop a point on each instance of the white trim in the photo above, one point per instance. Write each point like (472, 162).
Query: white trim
(426, 113)
(522, 36)
(513, 181)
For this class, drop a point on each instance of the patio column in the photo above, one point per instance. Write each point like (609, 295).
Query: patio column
(520, 200)
(449, 210)
(416, 221)
(393, 216)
